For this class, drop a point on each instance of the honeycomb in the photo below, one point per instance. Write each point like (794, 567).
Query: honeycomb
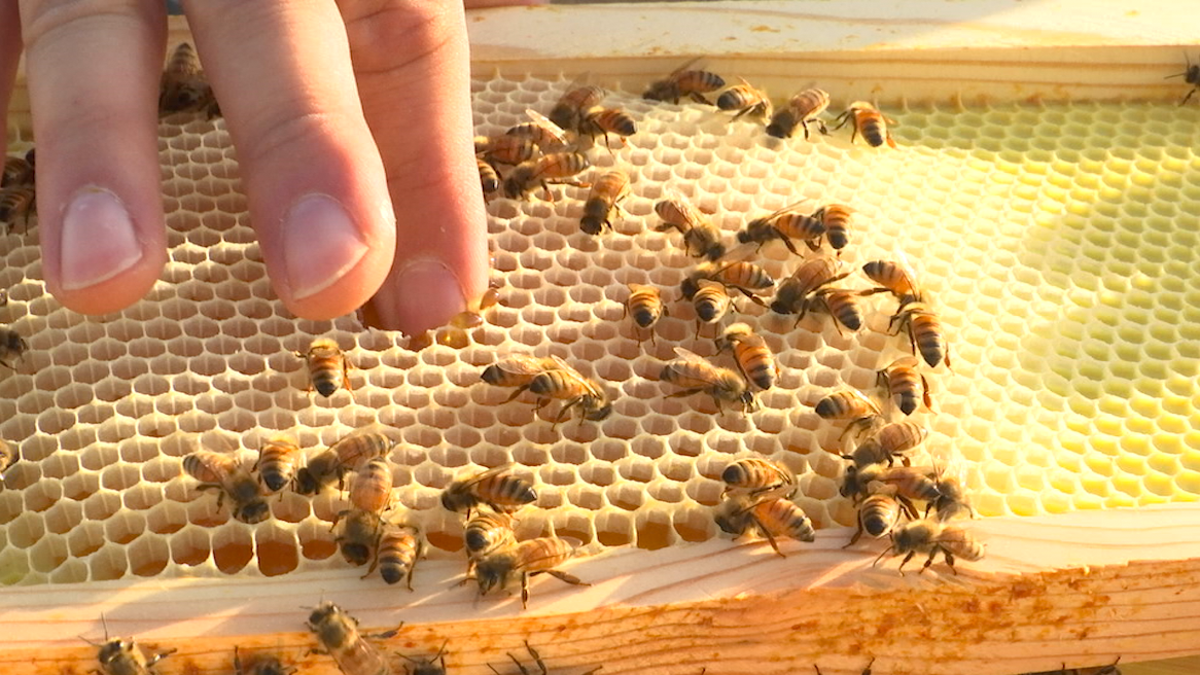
(1061, 244)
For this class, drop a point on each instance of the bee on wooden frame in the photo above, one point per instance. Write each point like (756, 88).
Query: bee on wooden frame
(932, 537)
(337, 632)
(122, 657)
(537, 658)
(260, 664)
(525, 559)
(1190, 75)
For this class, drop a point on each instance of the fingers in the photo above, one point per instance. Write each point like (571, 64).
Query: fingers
(10, 57)
(314, 179)
(93, 69)
(413, 70)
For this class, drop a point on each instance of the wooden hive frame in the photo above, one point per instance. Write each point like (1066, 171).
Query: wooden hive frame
(1078, 588)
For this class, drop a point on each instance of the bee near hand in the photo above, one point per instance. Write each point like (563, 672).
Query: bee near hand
(339, 111)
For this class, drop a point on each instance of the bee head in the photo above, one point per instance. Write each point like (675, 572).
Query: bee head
(601, 413)
(591, 225)
(453, 501)
(305, 483)
(356, 553)
(254, 512)
(688, 287)
(113, 649)
(491, 572)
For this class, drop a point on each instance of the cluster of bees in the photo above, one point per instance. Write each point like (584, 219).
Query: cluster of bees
(337, 634)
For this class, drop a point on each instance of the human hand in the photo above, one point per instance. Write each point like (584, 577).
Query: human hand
(338, 111)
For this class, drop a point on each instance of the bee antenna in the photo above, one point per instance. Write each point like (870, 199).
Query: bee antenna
(104, 621)
(886, 551)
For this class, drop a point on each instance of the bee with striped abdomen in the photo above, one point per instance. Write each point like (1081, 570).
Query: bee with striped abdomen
(801, 109)
(182, 87)
(397, 553)
(746, 100)
(811, 275)
(682, 82)
(747, 277)
(17, 201)
(548, 136)
(897, 278)
(568, 111)
(371, 489)
(505, 149)
(600, 121)
(932, 537)
(350, 453)
(877, 515)
(841, 304)
(952, 500)
(555, 168)
(711, 301)
(122, 657)
(222, 471)
(567, 384)
(498, 487)
(785, 224)
(1190, 75)
(517, 370)
(770, 515)
(489, 180)
(869, 122)
(277, 460)
(486, 531)
(358, 536)
(897, 438)
(751, 353)
(757, 475)
(607, 192)
(328, 368)
(338, 633)
(901, 381)
(701, 238)
(526, 558)
(17, 171)
(924, 332)
(646, 307)
(699, 376)
(835, 219)
(850, 404)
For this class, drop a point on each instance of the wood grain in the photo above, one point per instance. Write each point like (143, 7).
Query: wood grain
(1080, 588)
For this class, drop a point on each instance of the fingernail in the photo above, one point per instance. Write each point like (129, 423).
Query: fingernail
(320, 244)
(99, 241)
(426, 294)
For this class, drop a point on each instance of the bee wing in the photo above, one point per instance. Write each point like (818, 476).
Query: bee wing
(549, 127)
(521, 364)
(542, 558)
(705, 372)
(907, 268)
(865, 399)
(790, 208)
(675, 73)
(218, 443)
(494, 471)
(690, 212)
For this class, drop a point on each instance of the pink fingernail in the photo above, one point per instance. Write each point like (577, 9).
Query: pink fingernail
(425, 295)
(320, 244)
(99, 240)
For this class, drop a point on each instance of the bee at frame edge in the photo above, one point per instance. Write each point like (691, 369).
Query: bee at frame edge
(260, 664)
(537, 658)
(338, 633)
(121, 657)
(1190, 75)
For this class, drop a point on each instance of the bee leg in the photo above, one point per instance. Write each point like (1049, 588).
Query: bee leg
(569, 578)
(346, 375)
(160, 656)
(857, 534)
(537, 658)
(906, 559)
(524, 590)
(520, 390)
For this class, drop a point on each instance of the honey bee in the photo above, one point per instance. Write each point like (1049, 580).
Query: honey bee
(489, 180)
(681, 82)
(850, 404)
(338, 633)
(328, 368)
(567, 384)
(506, 149)
(538, 660)
(699, 376)
(897, 438)
(122, 657)
(932, 537)
(260, 665)
(8, 456)
(371, 489)
(431, 666)
(276, 464)
(924, 332)
(486, 531)
(951, 501)
(711, 301)
(568, 111)
(17, 171)
(221, 471)
(835, 218)
(753, 356)
(645, 305)
(1110, 669)
(497, 487)
(348, 454)
(906, 483)
(839, 303)
(517, 370)
(1190, 75)
(808, 277)
(746, 277)
(397, 553)
(785, 224)
(359, 535)
(746, 100)
(526, 558)
(547, 135)
(599, 121)
(769, 515)
(894, 277)
(877, 516)
(553, 168)
(17, 202)
(607, 192)
(900, 380)
(869, 122)
(801, 109)
(12, 346)
(701, 238)
(758, 475)
(182, 87)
